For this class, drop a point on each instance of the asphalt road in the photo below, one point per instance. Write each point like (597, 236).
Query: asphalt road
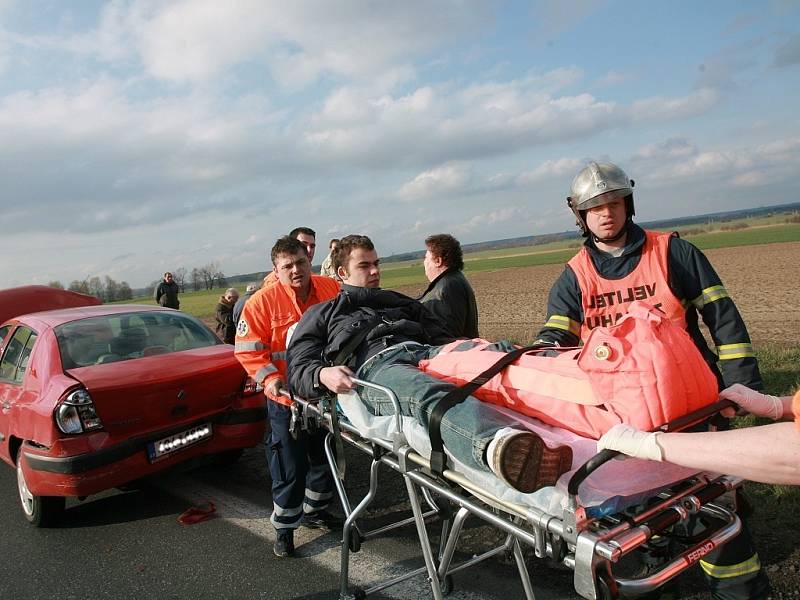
(130, 545)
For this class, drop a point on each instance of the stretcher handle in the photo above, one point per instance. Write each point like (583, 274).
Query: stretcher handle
(679, 424)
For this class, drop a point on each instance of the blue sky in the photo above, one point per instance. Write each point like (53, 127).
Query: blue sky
(141, 135)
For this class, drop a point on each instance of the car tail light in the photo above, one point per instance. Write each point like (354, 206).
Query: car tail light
(251, 387)
(76, 413)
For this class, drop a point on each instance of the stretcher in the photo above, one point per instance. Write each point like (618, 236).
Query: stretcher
(595, 518)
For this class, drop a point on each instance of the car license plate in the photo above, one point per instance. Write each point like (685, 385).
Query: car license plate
(174, 443)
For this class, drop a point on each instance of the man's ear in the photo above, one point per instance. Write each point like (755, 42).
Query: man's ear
(342, 272)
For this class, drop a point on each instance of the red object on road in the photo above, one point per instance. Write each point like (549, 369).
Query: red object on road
(196, 514)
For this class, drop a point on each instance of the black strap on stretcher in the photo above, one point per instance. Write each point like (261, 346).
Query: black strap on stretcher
(342, 358)
(458, 395)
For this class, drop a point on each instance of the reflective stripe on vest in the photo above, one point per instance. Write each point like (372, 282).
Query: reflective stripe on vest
(248, 346)
(605, 301)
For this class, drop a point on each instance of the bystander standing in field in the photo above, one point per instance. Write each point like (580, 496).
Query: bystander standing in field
(449, 295)
(619, 263)
(166, 292)
(328, 269)
(226, 326)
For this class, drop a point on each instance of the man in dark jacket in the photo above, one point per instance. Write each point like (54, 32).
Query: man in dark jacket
(166, 293)
(381, 335)
(620, 262)
(449, 296)
(226, 326)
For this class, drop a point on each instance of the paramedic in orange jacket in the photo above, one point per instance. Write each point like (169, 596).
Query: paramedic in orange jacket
(767, 453)
(302, 487)
(307, 237)
(619, 263)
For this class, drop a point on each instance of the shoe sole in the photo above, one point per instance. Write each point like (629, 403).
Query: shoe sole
(527, 464)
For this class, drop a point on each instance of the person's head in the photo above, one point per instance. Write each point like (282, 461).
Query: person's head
(442, 252)
(333, 244)
(168, 277)
(231, 295)
(601, 197)
(307, 237)
(291, 264)
(356, 262)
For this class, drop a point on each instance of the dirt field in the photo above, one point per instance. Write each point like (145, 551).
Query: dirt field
(763, 280)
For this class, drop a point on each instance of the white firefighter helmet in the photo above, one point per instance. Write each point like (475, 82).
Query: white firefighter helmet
(598, 184)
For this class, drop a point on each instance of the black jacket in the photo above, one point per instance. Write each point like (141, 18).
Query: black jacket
(326, 328)
(450, 298)
(166, 294)
(689, 274)
(226, 327)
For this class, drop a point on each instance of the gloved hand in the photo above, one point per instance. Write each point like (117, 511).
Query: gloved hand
(756, 403)
(629, 440)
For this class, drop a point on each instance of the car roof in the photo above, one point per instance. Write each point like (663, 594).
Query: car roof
(54, 318)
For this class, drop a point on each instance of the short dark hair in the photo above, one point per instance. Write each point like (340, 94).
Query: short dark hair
(298, 230)
(446, 247)
(346, 245)
(287, 245)
(332, 242)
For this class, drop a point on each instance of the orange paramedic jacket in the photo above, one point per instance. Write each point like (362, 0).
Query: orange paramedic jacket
(261, 332)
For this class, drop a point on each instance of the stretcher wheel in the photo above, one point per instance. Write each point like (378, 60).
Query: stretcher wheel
(355, 541)
(447, 585)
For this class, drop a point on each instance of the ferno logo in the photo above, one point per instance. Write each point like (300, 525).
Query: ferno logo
(700, 552)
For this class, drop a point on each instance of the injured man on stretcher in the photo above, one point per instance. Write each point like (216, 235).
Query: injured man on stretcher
(643, 371)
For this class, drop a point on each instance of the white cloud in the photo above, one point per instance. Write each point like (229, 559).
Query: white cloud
(665, 109)
(550, 169)
(445, 180)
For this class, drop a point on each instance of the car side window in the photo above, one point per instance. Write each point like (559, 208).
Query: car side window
(17, 352)
(3, 333)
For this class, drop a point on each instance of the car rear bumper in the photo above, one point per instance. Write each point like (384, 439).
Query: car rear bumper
(56, 472)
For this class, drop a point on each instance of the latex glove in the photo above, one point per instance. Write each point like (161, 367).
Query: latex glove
(762, 405)
(629, 440)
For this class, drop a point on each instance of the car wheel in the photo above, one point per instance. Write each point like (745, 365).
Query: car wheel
(41, 511)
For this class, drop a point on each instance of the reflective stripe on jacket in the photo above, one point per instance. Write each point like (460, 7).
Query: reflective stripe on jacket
(605, 301)
(261, 332)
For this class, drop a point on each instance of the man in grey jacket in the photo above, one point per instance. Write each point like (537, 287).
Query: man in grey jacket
(449, 295)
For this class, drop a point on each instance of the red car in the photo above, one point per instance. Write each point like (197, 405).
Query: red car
(95, 397)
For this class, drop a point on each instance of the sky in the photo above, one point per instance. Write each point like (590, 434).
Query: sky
(139, 136)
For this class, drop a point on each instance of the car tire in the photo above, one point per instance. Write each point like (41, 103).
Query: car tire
(40, 511)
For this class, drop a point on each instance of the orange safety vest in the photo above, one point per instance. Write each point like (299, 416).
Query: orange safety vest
(260, 344)
(604, 301)
(644, 371)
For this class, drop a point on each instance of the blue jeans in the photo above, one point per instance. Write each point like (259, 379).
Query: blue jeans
(466, 429)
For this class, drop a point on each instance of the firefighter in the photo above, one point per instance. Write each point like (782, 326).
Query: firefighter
(302, 487)
(619, 263)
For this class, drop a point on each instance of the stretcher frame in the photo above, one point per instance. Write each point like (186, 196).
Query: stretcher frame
(590, 547)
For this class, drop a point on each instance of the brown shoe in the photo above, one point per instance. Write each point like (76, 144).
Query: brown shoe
(524, 461)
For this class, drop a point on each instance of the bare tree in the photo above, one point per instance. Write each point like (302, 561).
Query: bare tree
(56, 284)
(124, 291)
(196, 278)
(79, 286)
(208, 273)
(111, 289)
(179, 276)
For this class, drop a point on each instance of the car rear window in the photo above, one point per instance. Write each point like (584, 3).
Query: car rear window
(114, 338)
